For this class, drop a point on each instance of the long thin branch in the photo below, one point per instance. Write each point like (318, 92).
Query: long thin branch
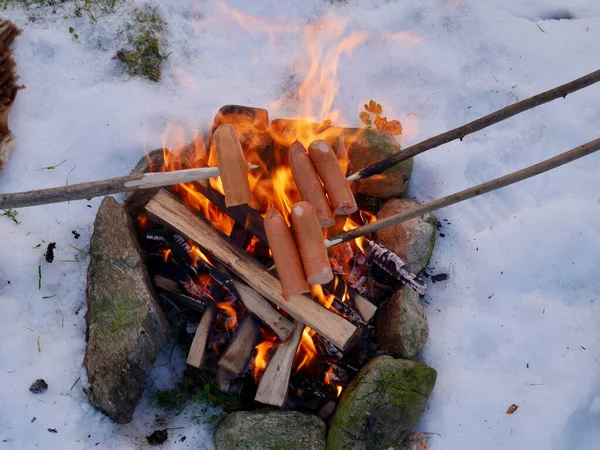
(106, 187)
(476, 125)
(480, 189)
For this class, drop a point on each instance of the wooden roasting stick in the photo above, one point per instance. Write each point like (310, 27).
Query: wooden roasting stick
(480, 189)
(476, 125)
(329, 169)
(165, 209)
(309, 185)
(285, 254)
(231, 160)
(313, 253)
(196, 355)
(107, 187)
(274, 384)
(238, 354)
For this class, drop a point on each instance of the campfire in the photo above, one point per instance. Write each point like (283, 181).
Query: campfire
(215, 274)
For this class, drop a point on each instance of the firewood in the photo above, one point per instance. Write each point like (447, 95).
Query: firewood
(329, 169)
(285, 254)
(238, 354)
(309, 185)
(164, 208)
(8, 86)
(315, 259)
(274, 384)
(231, 161)
(262, 309)
(106, 187)
(172, 287)
(196, 355)
(479, 124)
(365, 308)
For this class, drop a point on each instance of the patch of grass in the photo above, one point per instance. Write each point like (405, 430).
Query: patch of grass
(145, 52)
(11, 214)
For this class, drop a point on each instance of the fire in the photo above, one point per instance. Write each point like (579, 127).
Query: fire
(200, 254)
(262, 354)
(339, 390)
(351, 224)
(325, 299)
(306, 352)
(166, 253)
(232, 320)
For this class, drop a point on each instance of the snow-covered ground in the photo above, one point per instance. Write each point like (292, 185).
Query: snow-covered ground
(516, 323)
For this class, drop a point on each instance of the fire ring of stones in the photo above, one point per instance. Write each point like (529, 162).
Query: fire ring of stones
(333, 369)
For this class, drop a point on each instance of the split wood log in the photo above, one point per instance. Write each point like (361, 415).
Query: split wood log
(224, 379)
(476, 125)
(106, 187)
(480, 189)
(364, 307)
(262, 309)
(238, 354)
(231, 160)
(172, 286)
(196, 355)
(274, 384)
(166, 209)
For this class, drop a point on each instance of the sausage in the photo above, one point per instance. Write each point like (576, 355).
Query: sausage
(329, 169)
(311, 244)
(309, 185)
(232, 166)
(285, 253)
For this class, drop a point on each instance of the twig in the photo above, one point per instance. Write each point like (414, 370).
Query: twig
(480, 189)
(476, 125)
(106, 187)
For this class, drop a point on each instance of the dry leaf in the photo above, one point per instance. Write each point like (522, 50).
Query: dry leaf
(512, 408)
(374, 107)
(365, 118)
(394, 128)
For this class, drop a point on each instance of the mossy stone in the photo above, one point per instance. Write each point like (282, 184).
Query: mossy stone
(125, 326)
(382, 404)
(366, 147)
(270, 430)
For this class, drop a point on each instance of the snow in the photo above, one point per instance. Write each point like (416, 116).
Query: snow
(517, 321)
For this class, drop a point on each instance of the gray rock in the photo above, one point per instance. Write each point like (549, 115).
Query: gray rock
(412, 240)
(402, 328)
(125, 326)
(270, 430)
(366, 147)
(382, 404)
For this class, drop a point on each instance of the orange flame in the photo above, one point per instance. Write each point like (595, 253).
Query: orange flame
(325, 299)
(262, 353)
(339, 390)
(229, 310)
(306, 352)
(351, 224)
(166, 253)
(200, 254)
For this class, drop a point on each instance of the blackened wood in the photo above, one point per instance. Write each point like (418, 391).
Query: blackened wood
(237, 356)
(394, 265)
(476, 125)
(172, 286)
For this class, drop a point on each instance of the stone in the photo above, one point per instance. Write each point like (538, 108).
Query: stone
(366, 147)
(39, 386)
(125, 326)
(412, 240)
(402, 327)
(270, 430)
(381, 405)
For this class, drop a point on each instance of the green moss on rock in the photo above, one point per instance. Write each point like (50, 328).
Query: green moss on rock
(381, 405)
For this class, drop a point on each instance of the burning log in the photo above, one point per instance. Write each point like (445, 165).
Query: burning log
(171, 286)
(329, 168)
(274, 384)
(232, 164)
(238, 354)
(167, 210)
(196, 355)
(285, 254)
(310, 243)
(309, 185)
(262, 309)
